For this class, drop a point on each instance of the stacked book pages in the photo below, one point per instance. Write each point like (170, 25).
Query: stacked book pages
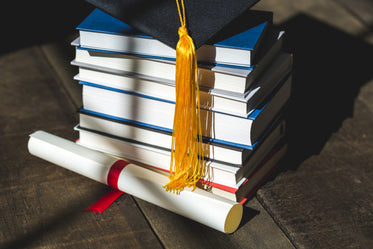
(128, 93)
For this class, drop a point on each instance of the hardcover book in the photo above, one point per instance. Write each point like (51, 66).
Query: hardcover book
(211, 99)
(217, 172)
(248, 185)
(234, 79)
(102, 31)
(222, 151)
(159, 114)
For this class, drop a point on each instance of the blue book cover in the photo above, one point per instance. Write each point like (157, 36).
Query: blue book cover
(253, 115)
(165, 130)
(99, 21)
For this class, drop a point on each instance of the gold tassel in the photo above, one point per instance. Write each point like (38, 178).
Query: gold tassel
(187, 163)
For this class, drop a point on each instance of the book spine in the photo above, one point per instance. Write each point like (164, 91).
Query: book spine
(224, 152)
(145, 155)
(160, 114)
(161, 69)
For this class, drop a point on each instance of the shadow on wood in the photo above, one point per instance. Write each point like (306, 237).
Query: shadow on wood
(248, 214)
(330, 66)
(323, 199)
(62, 217)
(26, 23)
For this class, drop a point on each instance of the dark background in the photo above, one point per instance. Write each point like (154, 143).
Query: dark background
(24, 23)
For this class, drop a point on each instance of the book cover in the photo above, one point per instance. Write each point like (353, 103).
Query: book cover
(220, 151)
(216, 171)
(212, 99)
(158, 113)
(249, 184)
(100, 30)
(232, 79)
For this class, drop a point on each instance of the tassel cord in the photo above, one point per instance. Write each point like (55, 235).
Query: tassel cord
(187, 164)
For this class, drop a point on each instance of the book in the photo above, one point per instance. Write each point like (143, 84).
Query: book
(224, 152)
(234, 79)
(156, 157)
(212, 99)
(248, 186)
(102, 31)
(159, 114)
(219, 151)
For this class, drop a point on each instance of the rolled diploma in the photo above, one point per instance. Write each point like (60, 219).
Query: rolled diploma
(213, 211)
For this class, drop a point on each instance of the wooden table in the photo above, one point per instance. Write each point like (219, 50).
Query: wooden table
(321, 196)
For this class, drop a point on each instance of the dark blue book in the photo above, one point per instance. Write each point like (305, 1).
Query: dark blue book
(102, 31)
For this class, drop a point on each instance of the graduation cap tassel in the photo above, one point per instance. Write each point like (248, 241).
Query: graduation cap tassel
(187, 164)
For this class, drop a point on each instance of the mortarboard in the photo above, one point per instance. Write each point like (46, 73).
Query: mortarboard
(184, 25)
(206, 19)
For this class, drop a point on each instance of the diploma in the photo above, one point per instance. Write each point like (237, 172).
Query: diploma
(213, 211)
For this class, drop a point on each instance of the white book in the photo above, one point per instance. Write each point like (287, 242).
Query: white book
(212, 99)
(100, 30)
(253, 181)
(223, 151)
(214, 77)
(158, 138)
(160, 114)
(217, 172)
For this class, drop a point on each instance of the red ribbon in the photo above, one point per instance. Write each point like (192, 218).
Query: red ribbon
(112, 180)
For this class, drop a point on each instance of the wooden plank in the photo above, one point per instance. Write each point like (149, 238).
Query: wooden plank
(257, 230)
(328, 202)
(59, 55)
(366, 95)
(323, 198)
(360, 9)
(42, 204)
(328, 12)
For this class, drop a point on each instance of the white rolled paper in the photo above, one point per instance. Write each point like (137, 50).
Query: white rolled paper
(213, 211)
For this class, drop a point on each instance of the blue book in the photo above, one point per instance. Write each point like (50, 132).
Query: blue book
(158, 114)
(102, 31)
(227, 164)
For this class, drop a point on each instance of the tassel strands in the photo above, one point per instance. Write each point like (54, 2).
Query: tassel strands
(187, 164)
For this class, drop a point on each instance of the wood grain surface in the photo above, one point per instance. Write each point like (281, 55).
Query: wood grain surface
(320, 197)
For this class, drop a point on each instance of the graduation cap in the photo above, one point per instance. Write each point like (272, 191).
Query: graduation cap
(184, 25)
(159, 18)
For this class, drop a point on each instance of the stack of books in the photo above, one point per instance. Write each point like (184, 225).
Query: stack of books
(128, 93)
